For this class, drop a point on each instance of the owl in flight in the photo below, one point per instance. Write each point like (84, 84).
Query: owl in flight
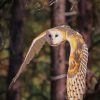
(76, 76)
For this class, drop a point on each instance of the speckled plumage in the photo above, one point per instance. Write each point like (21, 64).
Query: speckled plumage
(76, 77)
(76, 84)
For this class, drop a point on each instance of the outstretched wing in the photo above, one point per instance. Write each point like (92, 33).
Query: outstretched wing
(35, 47)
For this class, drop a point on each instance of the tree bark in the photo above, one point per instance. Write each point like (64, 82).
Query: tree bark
(58, 54)
(16, 46)
(85, 26)
(85, 23)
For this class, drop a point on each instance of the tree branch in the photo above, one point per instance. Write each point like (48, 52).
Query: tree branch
(71, 13)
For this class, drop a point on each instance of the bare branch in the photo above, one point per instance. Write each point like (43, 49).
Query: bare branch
(70, 13)
(51, 2)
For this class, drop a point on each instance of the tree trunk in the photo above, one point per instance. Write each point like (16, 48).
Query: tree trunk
(58, 54)
(85, 23)
(85, 26)
(16, 46)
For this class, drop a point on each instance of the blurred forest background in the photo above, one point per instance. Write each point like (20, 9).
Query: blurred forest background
(20, 22)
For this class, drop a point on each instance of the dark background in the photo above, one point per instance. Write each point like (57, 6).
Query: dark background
(20, 22)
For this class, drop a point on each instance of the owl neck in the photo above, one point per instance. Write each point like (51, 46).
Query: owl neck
(76, 43)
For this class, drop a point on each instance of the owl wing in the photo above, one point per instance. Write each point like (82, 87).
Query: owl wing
(35, 47)
(76, 79)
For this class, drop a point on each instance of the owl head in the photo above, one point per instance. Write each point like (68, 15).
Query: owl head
(55, 37)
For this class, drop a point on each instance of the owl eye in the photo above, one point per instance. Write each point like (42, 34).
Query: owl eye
(49, 35)
(56, 35)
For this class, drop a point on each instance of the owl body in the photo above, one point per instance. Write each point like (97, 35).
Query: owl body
(77, 62)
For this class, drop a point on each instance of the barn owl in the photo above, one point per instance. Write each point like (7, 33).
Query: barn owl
(76, 76)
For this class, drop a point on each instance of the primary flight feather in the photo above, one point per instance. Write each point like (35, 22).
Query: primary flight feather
(35, 47)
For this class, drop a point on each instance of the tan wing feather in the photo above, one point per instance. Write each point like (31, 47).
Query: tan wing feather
(76, 85)
(35, 47)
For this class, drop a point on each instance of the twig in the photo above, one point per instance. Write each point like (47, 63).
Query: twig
(70, 13)
(51, 2)
(54, 78)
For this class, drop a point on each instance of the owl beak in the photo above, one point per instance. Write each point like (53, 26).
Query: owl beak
(52, 44)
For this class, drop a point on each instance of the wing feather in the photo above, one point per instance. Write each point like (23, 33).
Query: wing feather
(35, 47)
